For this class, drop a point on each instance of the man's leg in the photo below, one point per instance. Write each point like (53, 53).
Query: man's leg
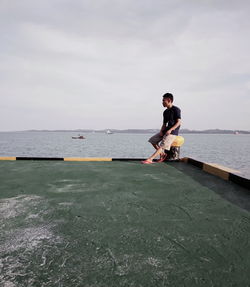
(157, 153)
(156, 146)
(165, 144)
(155, 139)
(167, 141)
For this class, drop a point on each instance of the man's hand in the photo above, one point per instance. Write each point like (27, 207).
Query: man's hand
(169, 132)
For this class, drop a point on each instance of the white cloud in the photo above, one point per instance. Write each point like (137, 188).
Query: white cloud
(105, 64)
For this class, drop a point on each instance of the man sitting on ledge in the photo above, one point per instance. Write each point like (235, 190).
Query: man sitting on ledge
(168, 132)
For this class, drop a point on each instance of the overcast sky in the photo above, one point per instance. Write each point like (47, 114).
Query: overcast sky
(68, 64)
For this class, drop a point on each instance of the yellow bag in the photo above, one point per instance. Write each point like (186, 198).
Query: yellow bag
(179, 141)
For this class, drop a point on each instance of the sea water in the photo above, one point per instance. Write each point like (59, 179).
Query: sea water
(229, 150)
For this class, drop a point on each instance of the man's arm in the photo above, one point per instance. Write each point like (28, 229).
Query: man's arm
(162, 129)
(178, 123)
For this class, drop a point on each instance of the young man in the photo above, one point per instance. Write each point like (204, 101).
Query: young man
(168, 132)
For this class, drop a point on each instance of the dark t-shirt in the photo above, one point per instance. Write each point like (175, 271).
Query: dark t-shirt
(170, 117)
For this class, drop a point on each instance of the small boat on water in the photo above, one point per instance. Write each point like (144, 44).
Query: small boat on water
(108, 132)
(78, 137)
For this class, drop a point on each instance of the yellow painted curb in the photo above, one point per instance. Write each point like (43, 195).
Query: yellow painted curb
(216, 171)
(88, 159)
(225, 168)
(8, 158)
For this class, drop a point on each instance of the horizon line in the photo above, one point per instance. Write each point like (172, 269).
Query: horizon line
(128, 129)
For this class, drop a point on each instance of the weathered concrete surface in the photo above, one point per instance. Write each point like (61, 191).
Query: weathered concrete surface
(121, 224)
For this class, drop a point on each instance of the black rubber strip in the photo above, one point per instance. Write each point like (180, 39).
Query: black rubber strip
(127, 159)
(245, 182)
(196, 163)
(39, 158)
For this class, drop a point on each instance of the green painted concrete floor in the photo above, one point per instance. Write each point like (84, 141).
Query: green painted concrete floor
(121, 224)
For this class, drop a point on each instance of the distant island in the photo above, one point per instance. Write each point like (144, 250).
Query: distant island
(148, 131)
(213, 131)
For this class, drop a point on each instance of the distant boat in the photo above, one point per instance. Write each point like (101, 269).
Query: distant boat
(236, 132)
(108, 132)
(78, 137)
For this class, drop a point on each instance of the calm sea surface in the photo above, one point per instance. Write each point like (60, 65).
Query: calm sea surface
(228, 150)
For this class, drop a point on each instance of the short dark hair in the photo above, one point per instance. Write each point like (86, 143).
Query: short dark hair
(169, 96)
